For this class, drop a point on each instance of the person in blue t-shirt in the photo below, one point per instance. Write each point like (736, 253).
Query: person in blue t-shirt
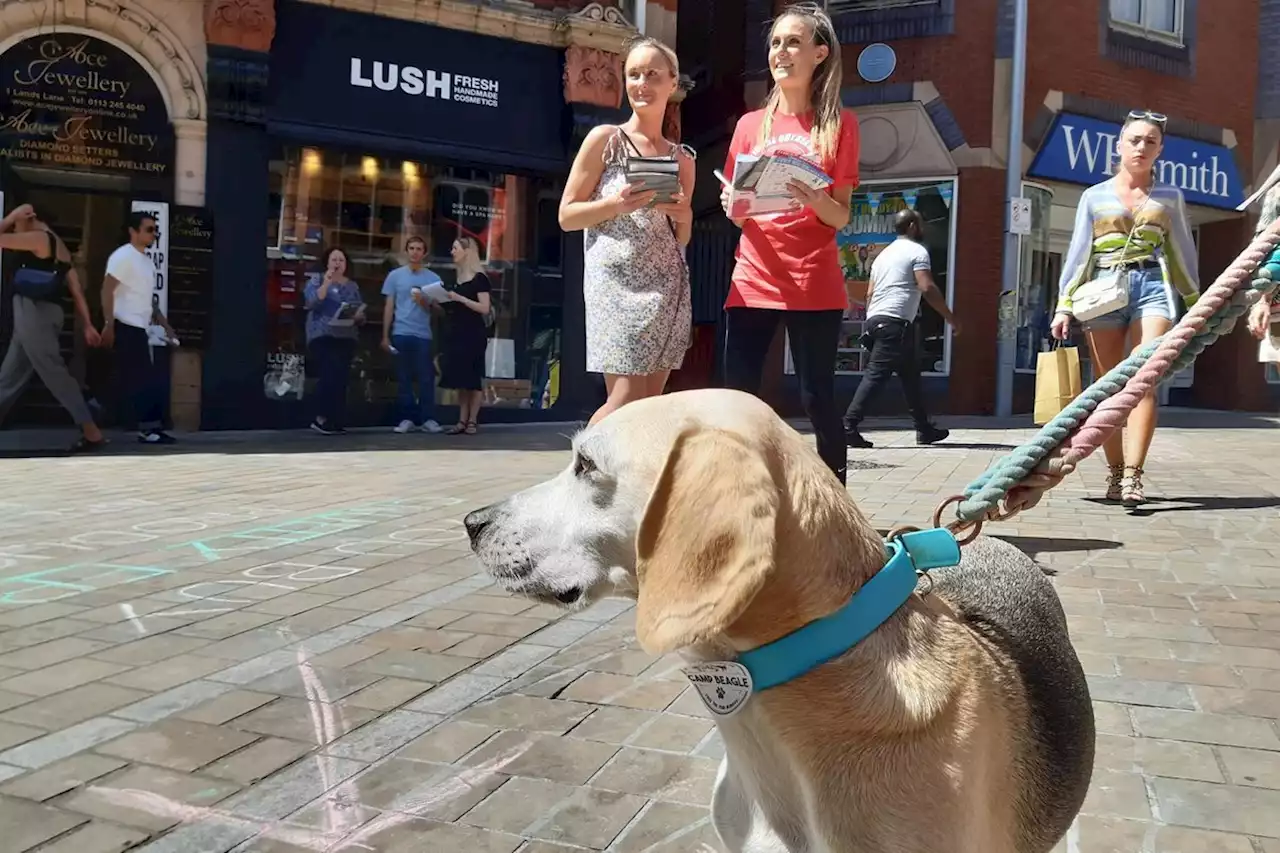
(406, 333)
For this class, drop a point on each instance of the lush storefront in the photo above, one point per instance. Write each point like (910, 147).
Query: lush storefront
(375, 130)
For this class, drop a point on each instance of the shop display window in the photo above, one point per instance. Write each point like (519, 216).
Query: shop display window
(369, 205)
(870, 229)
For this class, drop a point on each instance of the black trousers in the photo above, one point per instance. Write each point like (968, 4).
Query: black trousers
(815, 336)
(331, 357)
(893, 350)
(142, 374)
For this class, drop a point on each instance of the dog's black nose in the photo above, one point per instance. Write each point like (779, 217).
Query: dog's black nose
(477, 522)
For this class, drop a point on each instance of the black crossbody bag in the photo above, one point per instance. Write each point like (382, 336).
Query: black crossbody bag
(41, 285)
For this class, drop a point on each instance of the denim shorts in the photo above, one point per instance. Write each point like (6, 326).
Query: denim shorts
(1148, 297)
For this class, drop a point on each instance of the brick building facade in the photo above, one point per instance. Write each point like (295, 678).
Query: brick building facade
(934, 136)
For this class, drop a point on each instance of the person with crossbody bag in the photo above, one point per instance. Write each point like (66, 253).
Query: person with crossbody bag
(1131, 251)
(43, 275)
(629, 190)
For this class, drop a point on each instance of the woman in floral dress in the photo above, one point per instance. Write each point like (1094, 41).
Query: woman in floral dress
(636, 281)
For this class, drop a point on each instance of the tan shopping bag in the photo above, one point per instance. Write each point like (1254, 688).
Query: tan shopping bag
(1057, 382)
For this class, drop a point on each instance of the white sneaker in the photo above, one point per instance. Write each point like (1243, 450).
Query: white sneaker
(432, 427)
(404, 426)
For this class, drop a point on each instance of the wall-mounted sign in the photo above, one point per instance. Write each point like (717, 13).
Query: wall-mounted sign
(1020, 216)
(343, 77)
(191, 275)
(1082, 150)
(876, 62)
(71, 101)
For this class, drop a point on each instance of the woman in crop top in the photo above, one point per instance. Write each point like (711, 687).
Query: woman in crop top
(37, 324)
(1135, 223)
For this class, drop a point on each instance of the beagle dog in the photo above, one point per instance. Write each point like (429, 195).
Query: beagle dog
(961, 724)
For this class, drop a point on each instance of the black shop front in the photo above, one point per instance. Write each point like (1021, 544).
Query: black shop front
(373, 130)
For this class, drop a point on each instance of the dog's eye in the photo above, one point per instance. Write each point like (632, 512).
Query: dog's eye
(582, 465)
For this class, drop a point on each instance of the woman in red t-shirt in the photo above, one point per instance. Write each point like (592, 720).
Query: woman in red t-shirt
(788, 268)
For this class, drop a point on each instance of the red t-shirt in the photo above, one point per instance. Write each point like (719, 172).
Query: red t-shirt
(789, 260)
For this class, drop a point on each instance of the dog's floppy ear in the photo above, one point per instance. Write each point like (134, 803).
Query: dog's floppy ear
(706, 543)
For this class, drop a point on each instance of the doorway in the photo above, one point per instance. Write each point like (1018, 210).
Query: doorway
(91, 225)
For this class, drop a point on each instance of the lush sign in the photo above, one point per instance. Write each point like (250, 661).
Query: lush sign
(364, 81)
(71, 101)
(1082, 150)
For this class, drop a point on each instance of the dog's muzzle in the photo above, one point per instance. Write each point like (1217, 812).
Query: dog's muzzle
(478, 522)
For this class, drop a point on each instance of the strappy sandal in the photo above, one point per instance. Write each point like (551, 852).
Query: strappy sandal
(457, 429)
(1115, 483)
(1134, 493)
(471, 428)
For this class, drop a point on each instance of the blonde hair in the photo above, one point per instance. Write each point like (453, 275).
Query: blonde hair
(470, 265)
(824, 93)
(668, 54)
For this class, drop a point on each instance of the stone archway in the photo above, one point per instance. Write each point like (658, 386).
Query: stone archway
(156, 48)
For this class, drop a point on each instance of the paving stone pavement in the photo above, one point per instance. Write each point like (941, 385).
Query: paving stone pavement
(269, 645)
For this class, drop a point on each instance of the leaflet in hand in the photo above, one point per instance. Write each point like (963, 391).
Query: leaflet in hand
(435, 292)
(346, 314)
(760, 183)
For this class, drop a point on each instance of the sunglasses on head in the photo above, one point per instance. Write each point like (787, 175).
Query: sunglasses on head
(1147, 115)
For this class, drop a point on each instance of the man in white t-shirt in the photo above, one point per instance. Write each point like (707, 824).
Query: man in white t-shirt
(128, 310)
(900, 275)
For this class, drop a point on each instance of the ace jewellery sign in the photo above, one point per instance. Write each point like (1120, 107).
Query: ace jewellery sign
(1082, 150)
(72, 101)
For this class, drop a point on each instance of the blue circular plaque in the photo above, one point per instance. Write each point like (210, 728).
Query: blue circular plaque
(877, 62)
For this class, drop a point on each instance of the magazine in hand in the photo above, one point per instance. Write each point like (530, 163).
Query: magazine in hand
(346, 314)
(760, 183)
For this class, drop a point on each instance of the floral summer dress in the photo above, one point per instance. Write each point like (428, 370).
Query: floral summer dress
(636, 283)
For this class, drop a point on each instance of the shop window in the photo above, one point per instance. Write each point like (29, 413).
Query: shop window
(550, 238)
(837, 6)
(870, 229)
(862, 21)
(1157, 35)
(369, 205)
(1154, 19)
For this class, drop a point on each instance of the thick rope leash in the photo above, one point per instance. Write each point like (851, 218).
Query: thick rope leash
(1022, 477)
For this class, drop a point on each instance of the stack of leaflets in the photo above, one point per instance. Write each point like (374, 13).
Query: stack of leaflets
(345, 315)
(759, 184)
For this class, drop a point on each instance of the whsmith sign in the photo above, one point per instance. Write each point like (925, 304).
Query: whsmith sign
(1082, 150)
(71, 101)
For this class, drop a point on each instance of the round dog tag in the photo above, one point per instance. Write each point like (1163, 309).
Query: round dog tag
(723, 686)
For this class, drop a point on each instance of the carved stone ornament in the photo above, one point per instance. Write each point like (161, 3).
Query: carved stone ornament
(607, 14)
(592, 76)
(246, 24)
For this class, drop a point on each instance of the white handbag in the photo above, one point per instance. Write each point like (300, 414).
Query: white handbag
(1108, 290)
(1103, 294)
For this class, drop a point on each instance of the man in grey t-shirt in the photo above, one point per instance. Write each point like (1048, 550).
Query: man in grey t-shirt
(900, 276)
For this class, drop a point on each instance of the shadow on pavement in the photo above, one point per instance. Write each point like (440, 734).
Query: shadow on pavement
(1205, 504)
(54, 443)
(1033, 545)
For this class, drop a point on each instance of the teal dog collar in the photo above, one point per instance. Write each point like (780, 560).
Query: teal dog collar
(725, 686)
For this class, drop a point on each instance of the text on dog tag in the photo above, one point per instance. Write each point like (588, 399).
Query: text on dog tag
(723, 686)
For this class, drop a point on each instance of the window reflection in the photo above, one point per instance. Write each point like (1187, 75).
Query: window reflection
(369, 205)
